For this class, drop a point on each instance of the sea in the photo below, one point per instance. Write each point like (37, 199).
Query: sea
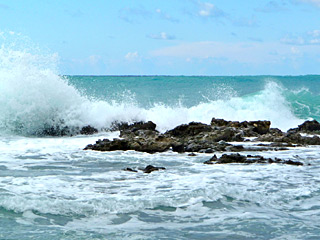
(50, 188)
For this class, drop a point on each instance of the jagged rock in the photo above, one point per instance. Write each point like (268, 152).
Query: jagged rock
(232, 158)
(199, 137)
(309, 126)
(260, 127)
(219, 122)
(88, 130)
(191, 129)
(212, 160)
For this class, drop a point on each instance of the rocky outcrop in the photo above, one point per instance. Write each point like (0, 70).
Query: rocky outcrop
(62, 130)
(259, 127)
(204, 138)
(249, 159)
(307, 127)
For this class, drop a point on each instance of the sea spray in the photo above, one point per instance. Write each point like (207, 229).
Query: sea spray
(268, 104)
(34, 98)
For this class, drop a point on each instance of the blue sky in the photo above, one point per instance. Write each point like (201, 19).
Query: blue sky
(172, 37)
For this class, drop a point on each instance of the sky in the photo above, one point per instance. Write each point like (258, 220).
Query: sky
(172, 37)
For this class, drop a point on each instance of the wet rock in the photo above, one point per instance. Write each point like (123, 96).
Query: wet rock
(129, 170)
(140, 125)
(88, 130)
(191, 129)
(200, 137)
(309, 126)
(192, 154)
(212, 160)
(249, 159)
(150, 168)
(290, 162)
(260, 127)
(219, 122)
(306, 127)
(232, 158)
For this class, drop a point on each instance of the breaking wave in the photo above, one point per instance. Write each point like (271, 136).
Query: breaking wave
(34, 98)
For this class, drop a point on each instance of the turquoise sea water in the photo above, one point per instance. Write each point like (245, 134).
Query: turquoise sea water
(50, 188)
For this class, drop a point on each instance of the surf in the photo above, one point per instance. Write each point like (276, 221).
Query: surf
(35, 98)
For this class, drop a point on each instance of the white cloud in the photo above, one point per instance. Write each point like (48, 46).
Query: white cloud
(132, 56)
(244, 52)
(314, 33)
(309, 38)
(207, 9)
(162, 36)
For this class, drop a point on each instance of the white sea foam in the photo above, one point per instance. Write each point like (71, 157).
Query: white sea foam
(33, 97)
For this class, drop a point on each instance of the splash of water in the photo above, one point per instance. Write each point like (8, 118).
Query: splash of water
(33, 98)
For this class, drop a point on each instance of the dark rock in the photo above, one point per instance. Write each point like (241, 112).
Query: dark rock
(212, 160)
(235, 148)
(191, 129)
(309, 126)
(107, 145)
(139, 126)
(178, 147)
(88, 130)
(290, 162)
(192, 154)
(150, 168)
(130, 170)
(232, 158)
(219, 122)
(249, 159)
(260, 127)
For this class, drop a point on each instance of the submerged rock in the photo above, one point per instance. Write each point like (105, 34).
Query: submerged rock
(150, 168)
(249, 159)
(147, 169)
(129, 170)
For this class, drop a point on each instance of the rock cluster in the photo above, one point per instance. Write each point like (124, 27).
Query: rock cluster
(200, 137)
(249, 159)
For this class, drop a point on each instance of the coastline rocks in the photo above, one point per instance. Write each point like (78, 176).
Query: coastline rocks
(307, 126)
(204, 138)
(291, 138)
(61, 130)
(260, 127)
(249, 159)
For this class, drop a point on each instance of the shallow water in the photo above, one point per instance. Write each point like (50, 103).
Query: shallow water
(52, 189)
